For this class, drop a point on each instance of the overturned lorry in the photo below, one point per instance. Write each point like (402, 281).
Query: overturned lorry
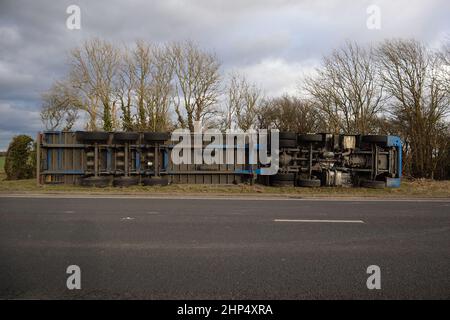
(304, 160)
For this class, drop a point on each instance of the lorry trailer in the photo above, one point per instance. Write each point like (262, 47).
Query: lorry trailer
(130, 158)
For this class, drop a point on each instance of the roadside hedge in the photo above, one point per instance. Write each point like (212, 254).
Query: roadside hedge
(20, 162)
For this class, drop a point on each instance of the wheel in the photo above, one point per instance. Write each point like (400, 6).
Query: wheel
(155, 181)
(283, 135)
(125, 181)
(94, 136)
(283, 176)
(126, 136)
(374, 139)
(310, 138)
(99, 181)
(280, 183)
(374, 184)
(309, 183)
(287, 143)
(156, 136)
(282, 180)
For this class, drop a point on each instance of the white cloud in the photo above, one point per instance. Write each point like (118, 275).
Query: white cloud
(277, 76)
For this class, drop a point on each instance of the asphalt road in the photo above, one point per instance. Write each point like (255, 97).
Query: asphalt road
(223, 249)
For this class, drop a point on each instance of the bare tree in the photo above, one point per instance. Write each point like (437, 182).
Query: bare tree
(251, 98)
(93, 72)
(232, 103)
(348, 90)
(60, 107)
(289, 113)
(145, 83)
(142, 60)
(418, 100)
(125, 84)
(160, 90)
(242, 103)
(197, 81)
(444, 55)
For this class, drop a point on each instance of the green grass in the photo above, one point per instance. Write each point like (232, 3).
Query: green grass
(416, 188)
(2, 163)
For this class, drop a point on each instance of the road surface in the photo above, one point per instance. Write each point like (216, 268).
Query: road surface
(223, 248)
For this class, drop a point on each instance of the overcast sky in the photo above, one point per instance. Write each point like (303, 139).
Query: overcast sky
(273, 42)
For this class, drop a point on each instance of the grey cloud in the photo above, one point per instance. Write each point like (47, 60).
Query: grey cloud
(255, 36)
(16, 120)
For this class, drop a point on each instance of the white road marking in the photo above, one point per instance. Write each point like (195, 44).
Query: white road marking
(314, 221)
(69, 211)
(127, 218)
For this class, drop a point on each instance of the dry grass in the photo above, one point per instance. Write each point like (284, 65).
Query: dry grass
(416, 188)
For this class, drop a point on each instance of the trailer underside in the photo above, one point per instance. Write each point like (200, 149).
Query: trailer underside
(130, 158)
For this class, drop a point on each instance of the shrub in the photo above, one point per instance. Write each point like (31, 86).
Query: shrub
(20, 162)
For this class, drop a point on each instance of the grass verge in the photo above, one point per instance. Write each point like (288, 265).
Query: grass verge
(409, 189)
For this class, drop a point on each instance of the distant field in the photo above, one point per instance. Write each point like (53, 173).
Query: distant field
(2, 163)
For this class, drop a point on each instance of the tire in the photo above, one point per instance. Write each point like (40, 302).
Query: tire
(287, 143)
(373, 184)
(125, 181)
(94, 136)
(155, 181)
(310, 138)
(283, 176)
(280, 183)
(375, 139)
(282, 180)
(126, 136)
(309, 183)
(283, 135)
(99, 181)
(156, 136)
